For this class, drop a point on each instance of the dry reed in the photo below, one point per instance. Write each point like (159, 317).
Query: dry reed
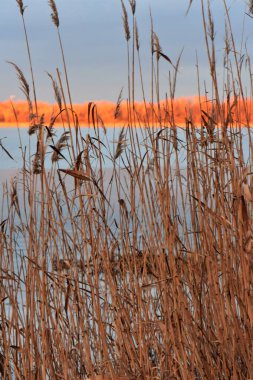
(141, 271)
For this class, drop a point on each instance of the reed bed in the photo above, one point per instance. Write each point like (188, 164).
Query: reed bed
(142, 270)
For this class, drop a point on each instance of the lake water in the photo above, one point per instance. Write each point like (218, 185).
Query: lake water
(13, 138)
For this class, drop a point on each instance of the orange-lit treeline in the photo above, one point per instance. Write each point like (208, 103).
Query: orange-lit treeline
(169, 113)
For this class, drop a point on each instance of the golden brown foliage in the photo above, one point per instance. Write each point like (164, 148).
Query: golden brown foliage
(132, 258)
(182, 109)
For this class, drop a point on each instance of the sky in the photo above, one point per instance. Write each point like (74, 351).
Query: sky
(95, 48)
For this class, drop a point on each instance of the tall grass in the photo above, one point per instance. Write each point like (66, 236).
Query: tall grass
(143, 270)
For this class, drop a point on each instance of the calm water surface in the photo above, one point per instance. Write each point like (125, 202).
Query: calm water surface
(12, 138)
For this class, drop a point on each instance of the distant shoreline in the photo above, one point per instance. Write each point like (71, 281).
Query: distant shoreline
(112, 125)
(59, 125)
(56, 125)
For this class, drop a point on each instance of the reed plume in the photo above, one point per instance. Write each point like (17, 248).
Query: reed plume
(24, 86)
(156, 45)
(121, 144)
(60, 145)
(57, 91)
(117, 108)
(21, 6)
(54, 14)
(133, 5)
(22, 9)
(125, 21)
(137, 40)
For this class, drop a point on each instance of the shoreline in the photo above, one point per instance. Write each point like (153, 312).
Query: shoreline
(13, 125)
(112, 125)
(59, 125)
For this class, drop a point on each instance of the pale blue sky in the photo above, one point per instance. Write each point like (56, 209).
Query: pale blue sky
(94, 44)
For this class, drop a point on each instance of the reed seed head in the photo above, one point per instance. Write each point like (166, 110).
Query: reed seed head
(24, 86)
(132, 5)
(156, 45)
(60, 145)
(57, 92)
(121, 144)
(137, 40)
(21, 6)
(125, 21)
(117, 109)
(54, 13)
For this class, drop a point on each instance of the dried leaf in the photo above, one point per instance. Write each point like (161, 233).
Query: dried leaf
(76, 174)
(247, 194)
(6, 151)
(245, 216)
